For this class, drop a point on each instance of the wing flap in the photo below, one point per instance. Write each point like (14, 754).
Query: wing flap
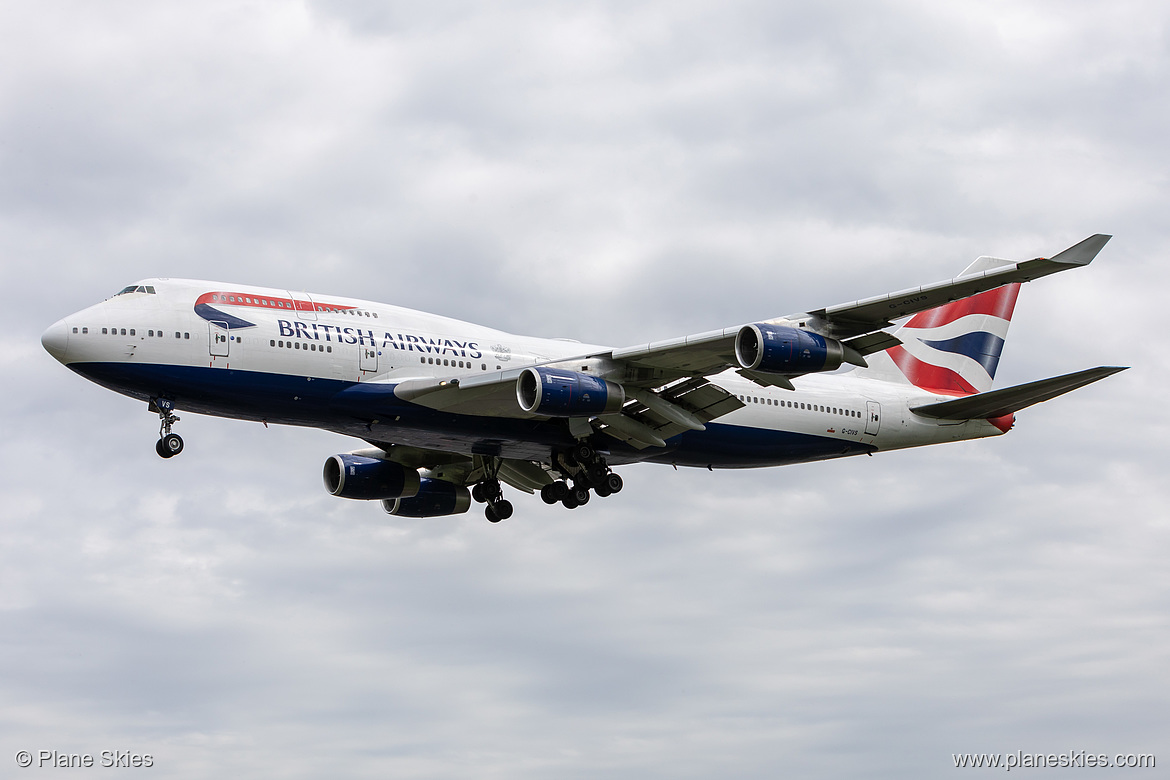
(698, 397)
(998, 403)
(524, 475)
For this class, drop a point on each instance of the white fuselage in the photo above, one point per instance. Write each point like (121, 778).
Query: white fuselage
(255, 353)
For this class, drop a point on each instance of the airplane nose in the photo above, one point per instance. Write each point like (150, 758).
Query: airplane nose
(56, 339)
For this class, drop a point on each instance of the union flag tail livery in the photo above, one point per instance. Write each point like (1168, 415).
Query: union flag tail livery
(953, 349)
(450, 409)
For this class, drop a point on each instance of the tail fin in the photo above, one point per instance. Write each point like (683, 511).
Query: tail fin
(953, 349)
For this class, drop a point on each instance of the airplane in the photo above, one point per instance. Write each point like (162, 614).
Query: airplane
(450, 409)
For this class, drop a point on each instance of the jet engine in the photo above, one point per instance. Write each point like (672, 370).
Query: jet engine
(358, 476)
(559, 393)
(435, 498)
(776, 349)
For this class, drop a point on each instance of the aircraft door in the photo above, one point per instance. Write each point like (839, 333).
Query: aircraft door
(306, 309)
(873, 417)
(220, 338)
(369, 358)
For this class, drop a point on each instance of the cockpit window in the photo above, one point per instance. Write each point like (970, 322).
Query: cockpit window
(137, 288)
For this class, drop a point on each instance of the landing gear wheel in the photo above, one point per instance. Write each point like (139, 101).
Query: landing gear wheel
(553, 493)
(477, 493)
(491, 515)
(614, 483)
(597, 473)
(502, 509)
(169, 446)
(603, 490)
(582, 453)
(580, 495)
(568, 502)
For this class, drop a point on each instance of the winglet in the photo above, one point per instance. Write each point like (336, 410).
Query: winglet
(1082, 253)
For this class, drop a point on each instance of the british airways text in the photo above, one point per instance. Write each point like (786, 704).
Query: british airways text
(314, 331)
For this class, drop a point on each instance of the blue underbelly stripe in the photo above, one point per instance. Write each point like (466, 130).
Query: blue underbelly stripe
(352, 408)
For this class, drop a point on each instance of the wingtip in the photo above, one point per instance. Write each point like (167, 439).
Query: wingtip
(1083, 253)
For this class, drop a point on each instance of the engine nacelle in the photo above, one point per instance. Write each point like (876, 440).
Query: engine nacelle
(435, 498)
(358, 476)
(557, 392)
(775, 349)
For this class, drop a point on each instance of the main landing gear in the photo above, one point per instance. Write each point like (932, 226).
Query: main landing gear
(489, 492)
(169, 444)
(585, 469)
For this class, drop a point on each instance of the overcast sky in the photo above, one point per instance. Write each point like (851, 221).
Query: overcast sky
(612, 172)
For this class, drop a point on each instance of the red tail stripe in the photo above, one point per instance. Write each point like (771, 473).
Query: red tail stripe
(933, 378)
(1000, 302)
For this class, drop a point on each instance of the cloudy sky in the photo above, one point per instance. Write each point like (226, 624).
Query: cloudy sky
(612, 172)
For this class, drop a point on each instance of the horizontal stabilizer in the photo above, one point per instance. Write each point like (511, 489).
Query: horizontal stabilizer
(997, 403)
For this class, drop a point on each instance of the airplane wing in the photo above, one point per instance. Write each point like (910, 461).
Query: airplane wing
(857, 324)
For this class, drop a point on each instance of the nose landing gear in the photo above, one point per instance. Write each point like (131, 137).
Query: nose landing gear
(169, 444)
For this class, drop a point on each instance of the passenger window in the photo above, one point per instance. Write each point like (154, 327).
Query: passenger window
(272, 343)
(84, 331)
(422, 360)
(132, 332)
(176, 334)
(483, 366)
(186, 335)
(328, 349)
(150, 333)
(296, 345)
(75, 330)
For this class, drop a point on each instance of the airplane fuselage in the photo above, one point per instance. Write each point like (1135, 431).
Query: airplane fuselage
(275, 356)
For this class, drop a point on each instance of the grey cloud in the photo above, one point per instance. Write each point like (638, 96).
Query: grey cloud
(612, 173)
